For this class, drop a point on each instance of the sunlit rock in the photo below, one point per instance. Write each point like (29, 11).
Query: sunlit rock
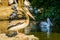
(19, 36)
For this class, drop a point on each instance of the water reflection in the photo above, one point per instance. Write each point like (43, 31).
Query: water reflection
(45, 26)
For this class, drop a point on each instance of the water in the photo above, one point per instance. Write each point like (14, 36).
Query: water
(45, 27)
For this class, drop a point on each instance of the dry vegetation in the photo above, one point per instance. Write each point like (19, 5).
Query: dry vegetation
(3, 26)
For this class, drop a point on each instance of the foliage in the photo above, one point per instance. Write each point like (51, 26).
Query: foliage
(50, 9)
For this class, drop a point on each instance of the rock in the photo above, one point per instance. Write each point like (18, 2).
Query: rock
(11, 33)
(19, 36)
